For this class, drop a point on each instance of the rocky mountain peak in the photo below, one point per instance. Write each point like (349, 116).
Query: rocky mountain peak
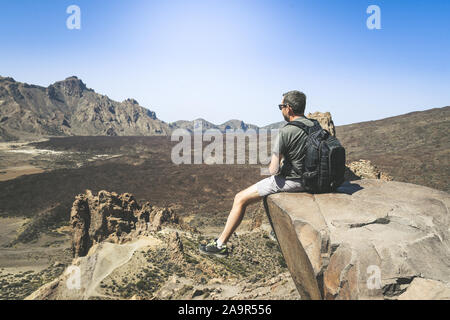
(6, 79)
(235, 124)
(131, 101)
(71, 86)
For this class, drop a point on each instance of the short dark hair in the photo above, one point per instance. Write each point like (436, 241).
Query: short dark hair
(297, 101)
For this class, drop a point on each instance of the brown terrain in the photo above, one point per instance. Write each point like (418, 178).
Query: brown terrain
(35, 208)
(413, 147)
(41, 177)
(37, 238)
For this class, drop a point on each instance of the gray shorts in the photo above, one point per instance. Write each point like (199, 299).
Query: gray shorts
(275, 184)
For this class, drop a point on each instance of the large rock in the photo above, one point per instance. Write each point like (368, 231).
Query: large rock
(372, 240)
(325, 120)
(113, 217)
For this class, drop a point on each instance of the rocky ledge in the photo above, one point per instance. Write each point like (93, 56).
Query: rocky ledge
(372, 240)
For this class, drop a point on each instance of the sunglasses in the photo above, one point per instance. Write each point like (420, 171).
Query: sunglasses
(281, 106)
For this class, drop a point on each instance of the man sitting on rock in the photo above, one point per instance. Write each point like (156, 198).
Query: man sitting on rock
(285, 176)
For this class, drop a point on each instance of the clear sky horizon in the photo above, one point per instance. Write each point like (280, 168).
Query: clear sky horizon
(222, 60)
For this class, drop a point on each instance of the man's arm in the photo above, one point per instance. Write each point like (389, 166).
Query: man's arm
(274, 166)
(277, 155)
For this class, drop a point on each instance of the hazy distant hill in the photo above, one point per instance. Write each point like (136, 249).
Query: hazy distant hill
(276, 125)
(231, 124)
(413, 147)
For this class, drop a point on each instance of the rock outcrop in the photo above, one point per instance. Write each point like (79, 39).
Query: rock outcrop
(364, 169)
(112, 217)
(372, 240)
(325, 121)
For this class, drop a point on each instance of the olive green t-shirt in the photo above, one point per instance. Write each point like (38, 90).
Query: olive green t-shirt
(290, 143)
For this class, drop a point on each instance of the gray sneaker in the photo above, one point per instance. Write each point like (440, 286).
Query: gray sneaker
(212, 250)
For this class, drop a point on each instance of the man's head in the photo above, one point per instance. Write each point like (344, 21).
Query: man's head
(296, 100)
(293, 104)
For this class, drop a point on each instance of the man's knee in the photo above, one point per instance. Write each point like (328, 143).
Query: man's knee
(245, 197)
(240, 198)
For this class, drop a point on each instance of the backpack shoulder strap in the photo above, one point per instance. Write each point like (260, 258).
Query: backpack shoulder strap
(303, 126)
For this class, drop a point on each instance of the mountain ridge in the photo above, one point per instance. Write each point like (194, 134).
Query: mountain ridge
(68, 107)
(412, 147)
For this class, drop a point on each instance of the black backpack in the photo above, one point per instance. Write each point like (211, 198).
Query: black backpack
(324, 163)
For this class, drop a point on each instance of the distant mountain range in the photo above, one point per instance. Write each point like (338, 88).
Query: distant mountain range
(68, 108)
(205, 125)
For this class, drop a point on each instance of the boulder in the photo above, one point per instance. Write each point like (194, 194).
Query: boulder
(372, 239)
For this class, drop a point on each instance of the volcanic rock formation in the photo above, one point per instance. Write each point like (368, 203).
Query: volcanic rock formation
(114, 218)
(325, 120)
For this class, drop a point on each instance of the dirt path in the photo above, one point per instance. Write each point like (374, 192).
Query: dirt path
(109, 258)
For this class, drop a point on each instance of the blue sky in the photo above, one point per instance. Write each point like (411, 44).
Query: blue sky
(222, 60)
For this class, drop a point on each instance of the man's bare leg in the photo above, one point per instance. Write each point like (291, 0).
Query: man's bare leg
(241, 201)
